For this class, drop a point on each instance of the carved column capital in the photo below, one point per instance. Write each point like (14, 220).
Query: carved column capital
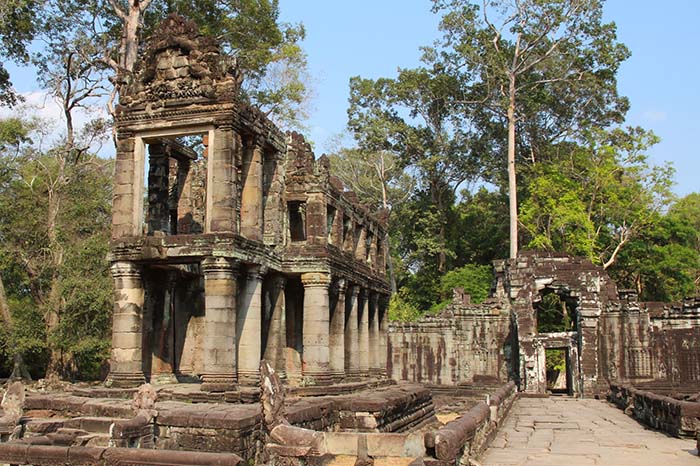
(315, 280)
(124, 269)
(219, 266)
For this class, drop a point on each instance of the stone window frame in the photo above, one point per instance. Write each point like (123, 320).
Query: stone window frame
(139, 156)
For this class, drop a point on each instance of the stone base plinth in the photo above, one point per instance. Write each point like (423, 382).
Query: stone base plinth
(125, 379)
(218, 382)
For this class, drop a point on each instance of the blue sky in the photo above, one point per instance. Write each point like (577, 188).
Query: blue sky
(373, 38)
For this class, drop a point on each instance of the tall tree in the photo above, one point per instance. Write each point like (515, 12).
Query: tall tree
(55, 227)
(414, 118)
(593, 199)
(542, 68)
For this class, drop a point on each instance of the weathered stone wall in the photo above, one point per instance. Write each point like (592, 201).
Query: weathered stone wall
(614, 337)
(676, 417)
(463, 342)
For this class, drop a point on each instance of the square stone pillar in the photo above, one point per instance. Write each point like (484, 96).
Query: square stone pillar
(373, 252)
(219, 342)
(315, 355)
(352, 337)
(361, 244)
(375, 365)
(126, 367)
(158, 218)
(383, 310)
(252, 221)
(273, 189)
(222, 182)
(277, 331)
(363, 331)
(249, 323)
(123, 203)
(337, 332)
(162, 339)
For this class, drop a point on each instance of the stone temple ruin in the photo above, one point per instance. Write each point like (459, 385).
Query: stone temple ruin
(612, 336)
(248, 249)
(250, 316)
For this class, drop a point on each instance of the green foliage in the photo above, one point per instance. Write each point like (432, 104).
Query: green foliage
(663, 262)
(474, 279)
(18, 26)
(555, 360)
(481, 227)
(591, 200)
(402, 310)
(553, 315)
(55, 270)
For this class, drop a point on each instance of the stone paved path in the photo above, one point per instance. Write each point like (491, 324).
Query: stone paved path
(571, 432)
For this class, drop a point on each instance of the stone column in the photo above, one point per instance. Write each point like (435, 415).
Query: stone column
(363, 332)
(352, 338)
(374, 351)
(181, 203)
(219, 342)
(252, 193)
(158, 190)
(162, 370)
(315, 354)
(123, 215)
(277, 332)
(361, 246)
(249, 322)
(383, 335)
(126, 368)
(273, 189)
(373, 252)
(221, 182)
(337, 333)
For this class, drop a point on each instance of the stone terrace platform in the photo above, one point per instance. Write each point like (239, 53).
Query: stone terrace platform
(581, 432)
(188, 420)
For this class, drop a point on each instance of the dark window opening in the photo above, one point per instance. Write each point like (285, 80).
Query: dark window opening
(297, 220)
(555, 314)
(174, 168)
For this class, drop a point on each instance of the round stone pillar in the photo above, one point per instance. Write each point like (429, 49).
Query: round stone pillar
(337, 333)
(352, 338)
(315, 355)
(375, 366)
(363, 331)
(219, 342)
(250, 328)
(277, 333)
(126, 367)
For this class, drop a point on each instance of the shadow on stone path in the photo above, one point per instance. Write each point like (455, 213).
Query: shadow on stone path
(573, 432)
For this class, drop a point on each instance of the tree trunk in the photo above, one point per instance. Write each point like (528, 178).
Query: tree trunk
(512, 185)
(54, 302)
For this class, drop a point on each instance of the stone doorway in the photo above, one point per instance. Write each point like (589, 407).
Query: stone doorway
(558, 371)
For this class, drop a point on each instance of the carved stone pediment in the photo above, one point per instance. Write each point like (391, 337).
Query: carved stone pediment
(179, 64)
